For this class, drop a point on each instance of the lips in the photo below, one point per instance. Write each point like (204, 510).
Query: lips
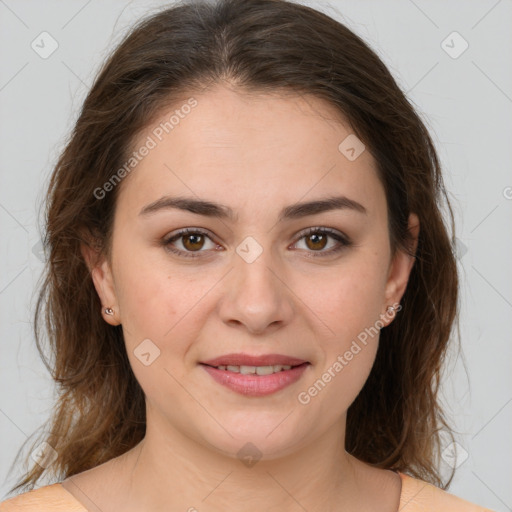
(248, 360)
(255, 376)
(252, 385)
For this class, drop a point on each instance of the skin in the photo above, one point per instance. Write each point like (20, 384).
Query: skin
(257, 155)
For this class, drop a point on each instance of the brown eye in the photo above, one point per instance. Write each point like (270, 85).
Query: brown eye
(316, 241)
(189, 241)
(193, 242)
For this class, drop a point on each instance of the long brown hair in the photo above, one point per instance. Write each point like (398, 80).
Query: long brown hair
(262, 46)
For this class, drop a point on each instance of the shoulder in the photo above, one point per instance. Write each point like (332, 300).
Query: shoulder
(50, 498)
(420, 496)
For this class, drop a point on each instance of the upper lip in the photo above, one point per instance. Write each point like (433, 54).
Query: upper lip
(248, 360)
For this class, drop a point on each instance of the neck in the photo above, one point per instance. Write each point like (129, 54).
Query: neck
(170, 471)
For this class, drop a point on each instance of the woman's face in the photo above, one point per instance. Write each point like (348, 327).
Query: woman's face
(254, 282)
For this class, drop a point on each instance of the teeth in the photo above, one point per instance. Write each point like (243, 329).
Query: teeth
(263, 370)
(258, 370)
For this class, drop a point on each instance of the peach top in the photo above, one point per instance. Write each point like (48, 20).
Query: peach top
(416, 496)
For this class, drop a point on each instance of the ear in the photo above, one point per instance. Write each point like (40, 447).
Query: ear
(399, 271)
(103, 280)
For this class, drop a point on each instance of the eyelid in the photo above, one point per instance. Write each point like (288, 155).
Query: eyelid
(166, 241)
(343, 240)
(323, 229)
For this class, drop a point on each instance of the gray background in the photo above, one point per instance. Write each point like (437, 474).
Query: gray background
(466, 102)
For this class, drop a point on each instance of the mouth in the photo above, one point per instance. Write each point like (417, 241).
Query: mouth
(256, 370)
(249, 360)
(255, 375)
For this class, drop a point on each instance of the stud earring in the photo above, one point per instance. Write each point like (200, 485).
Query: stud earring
(391, 310)
(109, 311)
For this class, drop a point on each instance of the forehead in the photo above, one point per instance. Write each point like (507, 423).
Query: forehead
(250, 149)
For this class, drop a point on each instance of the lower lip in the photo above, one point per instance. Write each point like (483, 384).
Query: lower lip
(256, 385)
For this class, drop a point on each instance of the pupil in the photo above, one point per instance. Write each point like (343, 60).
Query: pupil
(315, 238)
(195, 239)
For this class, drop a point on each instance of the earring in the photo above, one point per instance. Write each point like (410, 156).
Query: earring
(390, 310)
(109, 311)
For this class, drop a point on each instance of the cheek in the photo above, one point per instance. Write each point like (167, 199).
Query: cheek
(166, 305)
(350, 308)
(149, 291)
(156, 320)
(349, 298)
(348, 305)
(147, 298)
(346, 375)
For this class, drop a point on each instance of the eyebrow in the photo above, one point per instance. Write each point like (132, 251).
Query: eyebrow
(216, 210)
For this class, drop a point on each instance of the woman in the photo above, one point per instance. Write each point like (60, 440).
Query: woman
(250, 286)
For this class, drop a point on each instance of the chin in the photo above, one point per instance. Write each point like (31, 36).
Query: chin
(258, 439)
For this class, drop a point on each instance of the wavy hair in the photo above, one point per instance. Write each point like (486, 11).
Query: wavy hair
(263, 46)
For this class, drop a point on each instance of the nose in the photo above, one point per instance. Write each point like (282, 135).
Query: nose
(256, 296)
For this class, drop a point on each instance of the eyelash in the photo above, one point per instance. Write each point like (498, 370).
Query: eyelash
(344, 241)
